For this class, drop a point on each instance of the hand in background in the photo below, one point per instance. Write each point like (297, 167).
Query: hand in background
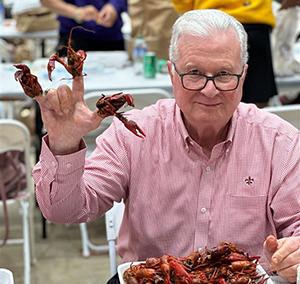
(283, 255)
(107, 16)
(289, 4)
(86, 13)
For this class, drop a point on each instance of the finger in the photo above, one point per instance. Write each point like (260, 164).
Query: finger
(270, 246)
(106, 16)
(291, 260)
(109, 23)
(43, 100)
(104, 24)
(65, 99)
(101, 14)
(271, 243)
(91, 13)
(289, 273)
(52, 102)
(78, 89)
(96, 118)
(287, 247)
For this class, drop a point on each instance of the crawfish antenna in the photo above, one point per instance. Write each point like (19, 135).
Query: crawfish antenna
(74, 28)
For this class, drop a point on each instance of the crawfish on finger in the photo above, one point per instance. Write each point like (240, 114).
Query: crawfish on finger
(73, 63)
(28, 81)
(108, 106)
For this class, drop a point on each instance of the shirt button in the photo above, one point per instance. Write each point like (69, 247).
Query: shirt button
(68, 165)
(203, 210)
(208, 169)
(53, 164)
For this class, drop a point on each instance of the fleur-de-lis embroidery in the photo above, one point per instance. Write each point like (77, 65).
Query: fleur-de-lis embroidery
(249, 180)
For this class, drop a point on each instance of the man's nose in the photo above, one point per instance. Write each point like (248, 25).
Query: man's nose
(210, 90)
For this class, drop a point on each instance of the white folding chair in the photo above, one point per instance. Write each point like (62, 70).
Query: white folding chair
(142, 98)
(113, 219)
(290, 113)
(14, 135)
(6, 276)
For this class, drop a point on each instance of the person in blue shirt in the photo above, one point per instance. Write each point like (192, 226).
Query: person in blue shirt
(101, 20)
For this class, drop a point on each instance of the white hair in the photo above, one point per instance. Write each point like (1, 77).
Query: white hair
(203, 23)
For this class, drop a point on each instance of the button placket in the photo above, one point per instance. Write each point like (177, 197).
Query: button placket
(204, 200)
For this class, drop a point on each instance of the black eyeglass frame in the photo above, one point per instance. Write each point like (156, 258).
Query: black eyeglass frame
(209, 78)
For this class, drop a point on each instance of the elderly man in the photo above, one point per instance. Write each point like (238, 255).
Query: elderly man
(210, 168)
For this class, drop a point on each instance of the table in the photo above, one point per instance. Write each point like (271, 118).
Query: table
(8, 31)
(104, 71)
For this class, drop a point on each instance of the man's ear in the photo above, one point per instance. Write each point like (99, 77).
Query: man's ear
(245, 72)
(170, 70)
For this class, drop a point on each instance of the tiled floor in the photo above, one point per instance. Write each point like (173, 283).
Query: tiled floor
(58, 257)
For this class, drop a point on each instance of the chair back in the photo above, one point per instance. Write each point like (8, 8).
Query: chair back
(113, 219)
(14, 135)
(290, 113)
(141, 97)
(6, 276)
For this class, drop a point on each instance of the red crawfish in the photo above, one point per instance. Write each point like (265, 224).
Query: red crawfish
(137, 273)
(73, 62)
(178, 273)
(108, 106)
(28, 81)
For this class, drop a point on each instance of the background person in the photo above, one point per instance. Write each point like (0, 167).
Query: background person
(284, 37)
(210, 169)
(102, 19)
(153, 20)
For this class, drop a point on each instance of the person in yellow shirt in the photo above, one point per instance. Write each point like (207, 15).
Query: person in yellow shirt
(258, 20)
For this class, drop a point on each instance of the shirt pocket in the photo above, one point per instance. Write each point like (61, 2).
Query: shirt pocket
(248, 219)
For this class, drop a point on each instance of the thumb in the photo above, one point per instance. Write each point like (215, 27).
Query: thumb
(271, 244)
(270, 247)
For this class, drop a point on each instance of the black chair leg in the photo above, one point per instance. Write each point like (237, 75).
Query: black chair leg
(39, 133)
(44, 226)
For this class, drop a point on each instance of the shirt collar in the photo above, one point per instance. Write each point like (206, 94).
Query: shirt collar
(181, 128)
(232, 127)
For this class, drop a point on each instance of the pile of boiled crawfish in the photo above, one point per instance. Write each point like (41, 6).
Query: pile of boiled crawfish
(224, 264)
(73, 63)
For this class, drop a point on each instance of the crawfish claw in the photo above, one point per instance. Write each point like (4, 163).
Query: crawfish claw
(134, 128)
(28, 81)
(108, 106)
(131, 125)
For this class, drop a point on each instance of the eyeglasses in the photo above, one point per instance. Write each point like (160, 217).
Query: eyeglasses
(195, 81)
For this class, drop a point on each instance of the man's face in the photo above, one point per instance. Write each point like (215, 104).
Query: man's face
(219, 54)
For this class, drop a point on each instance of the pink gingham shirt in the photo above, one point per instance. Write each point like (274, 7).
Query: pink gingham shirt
(178, 200)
